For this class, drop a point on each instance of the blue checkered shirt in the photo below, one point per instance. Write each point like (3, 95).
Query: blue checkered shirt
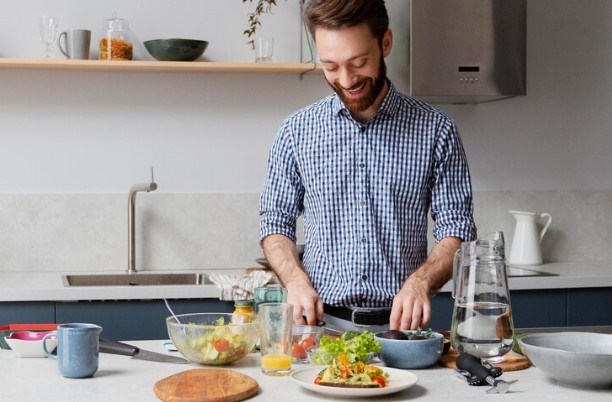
(364, 191)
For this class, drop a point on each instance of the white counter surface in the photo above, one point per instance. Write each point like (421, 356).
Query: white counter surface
(44, 286)
(121, 378)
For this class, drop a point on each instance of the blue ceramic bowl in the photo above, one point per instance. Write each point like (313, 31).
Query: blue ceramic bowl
(176, 49)
(411, 354)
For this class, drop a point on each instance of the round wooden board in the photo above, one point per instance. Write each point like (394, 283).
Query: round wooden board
(206, 385)
(512, 361)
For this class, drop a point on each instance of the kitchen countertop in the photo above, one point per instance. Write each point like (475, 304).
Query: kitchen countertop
(48, 286)
(121, 378)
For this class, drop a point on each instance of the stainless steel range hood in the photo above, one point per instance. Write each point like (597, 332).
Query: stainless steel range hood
(467, 51)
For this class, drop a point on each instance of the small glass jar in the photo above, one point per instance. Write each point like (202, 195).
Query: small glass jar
(243, 312)
(116, 40)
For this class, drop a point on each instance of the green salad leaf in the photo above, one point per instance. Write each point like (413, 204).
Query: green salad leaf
(356, 346)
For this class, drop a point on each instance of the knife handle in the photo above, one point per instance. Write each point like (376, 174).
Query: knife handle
(473, 365)
(117, 348)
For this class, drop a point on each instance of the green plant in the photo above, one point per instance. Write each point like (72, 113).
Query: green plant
(263, 7)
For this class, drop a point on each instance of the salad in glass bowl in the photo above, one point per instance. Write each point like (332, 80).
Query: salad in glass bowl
(212, 338)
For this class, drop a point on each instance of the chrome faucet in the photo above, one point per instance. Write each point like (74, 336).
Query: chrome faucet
(136, 188)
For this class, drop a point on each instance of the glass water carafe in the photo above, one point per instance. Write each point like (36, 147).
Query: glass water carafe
(482, 317)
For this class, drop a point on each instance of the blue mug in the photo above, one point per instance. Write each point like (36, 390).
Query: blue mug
(77, 349)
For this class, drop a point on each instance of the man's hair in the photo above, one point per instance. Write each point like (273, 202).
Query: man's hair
(338, 14)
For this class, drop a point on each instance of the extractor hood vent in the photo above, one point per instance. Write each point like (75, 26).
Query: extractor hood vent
(467, 51)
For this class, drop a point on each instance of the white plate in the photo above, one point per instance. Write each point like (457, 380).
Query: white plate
(399, 380)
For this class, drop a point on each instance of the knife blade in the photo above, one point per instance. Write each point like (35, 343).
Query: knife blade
(329, 330)
(120, 348)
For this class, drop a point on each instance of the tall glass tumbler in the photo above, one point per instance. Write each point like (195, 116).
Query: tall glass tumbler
(275, 335)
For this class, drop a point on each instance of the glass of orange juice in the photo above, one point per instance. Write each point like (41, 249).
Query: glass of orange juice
(275, 326)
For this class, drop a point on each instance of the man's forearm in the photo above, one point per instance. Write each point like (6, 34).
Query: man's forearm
(283, 257)
(437, 269)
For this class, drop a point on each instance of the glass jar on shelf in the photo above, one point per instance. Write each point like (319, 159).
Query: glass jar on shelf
(116, 39)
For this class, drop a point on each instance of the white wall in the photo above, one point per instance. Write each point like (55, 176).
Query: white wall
(559, 135)
(98, 133)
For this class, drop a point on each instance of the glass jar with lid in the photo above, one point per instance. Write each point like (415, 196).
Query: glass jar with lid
(243, 312)
(116, 39)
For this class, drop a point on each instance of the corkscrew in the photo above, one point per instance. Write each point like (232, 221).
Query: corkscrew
(475, 372)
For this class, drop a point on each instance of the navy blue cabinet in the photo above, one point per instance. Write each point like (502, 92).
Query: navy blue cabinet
(27, 313)
(145, 319)
(530, 309)
(543, 308)
(135, 319)
(589, 307)
(539, 308)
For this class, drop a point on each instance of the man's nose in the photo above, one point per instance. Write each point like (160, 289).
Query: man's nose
(347, 78)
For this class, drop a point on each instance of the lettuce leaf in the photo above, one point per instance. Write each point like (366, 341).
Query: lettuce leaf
(355, 345)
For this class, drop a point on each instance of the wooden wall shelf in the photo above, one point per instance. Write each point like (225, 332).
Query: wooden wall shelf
(158, 66)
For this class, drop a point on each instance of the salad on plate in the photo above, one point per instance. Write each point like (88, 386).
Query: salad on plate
(355, 346)
(341, 373)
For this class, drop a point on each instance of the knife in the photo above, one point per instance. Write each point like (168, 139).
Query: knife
(120, 348)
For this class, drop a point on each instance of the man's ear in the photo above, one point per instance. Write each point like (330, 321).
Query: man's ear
(387, 43)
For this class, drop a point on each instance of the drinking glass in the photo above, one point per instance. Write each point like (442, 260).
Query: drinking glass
(275, 334)
(48, 30)
(268, 294)
(264, 49)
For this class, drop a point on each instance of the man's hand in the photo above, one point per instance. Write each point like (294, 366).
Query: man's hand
(306, 303)
(282, 256)
(411, 306)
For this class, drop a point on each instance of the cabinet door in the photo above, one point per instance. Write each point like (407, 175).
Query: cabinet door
(441, 312)
(589, 307)
(530, 309)
(134, 320)
(539, 308)
(27, 313)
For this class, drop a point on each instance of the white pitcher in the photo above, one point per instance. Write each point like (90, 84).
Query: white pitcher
(526, 242)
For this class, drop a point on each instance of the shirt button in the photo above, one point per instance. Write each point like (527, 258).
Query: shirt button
(365, 277)
(364, 240)
(362, 165)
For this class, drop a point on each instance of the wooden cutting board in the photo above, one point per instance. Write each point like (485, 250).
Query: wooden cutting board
(512, 361)
(206, 385)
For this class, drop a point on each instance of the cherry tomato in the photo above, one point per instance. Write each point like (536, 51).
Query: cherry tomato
(298, 351)
(238, 352)
(318, 380)
(380, 380)
(307, 343)
(222, 345)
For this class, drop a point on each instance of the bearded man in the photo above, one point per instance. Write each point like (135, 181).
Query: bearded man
(364, 166)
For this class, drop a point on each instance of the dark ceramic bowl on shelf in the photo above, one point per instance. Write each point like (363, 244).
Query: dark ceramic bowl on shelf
(176, 49)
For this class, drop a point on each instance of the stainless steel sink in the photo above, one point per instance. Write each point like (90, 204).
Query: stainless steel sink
(135, 279)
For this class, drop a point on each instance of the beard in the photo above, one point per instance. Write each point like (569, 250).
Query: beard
(376, 85)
